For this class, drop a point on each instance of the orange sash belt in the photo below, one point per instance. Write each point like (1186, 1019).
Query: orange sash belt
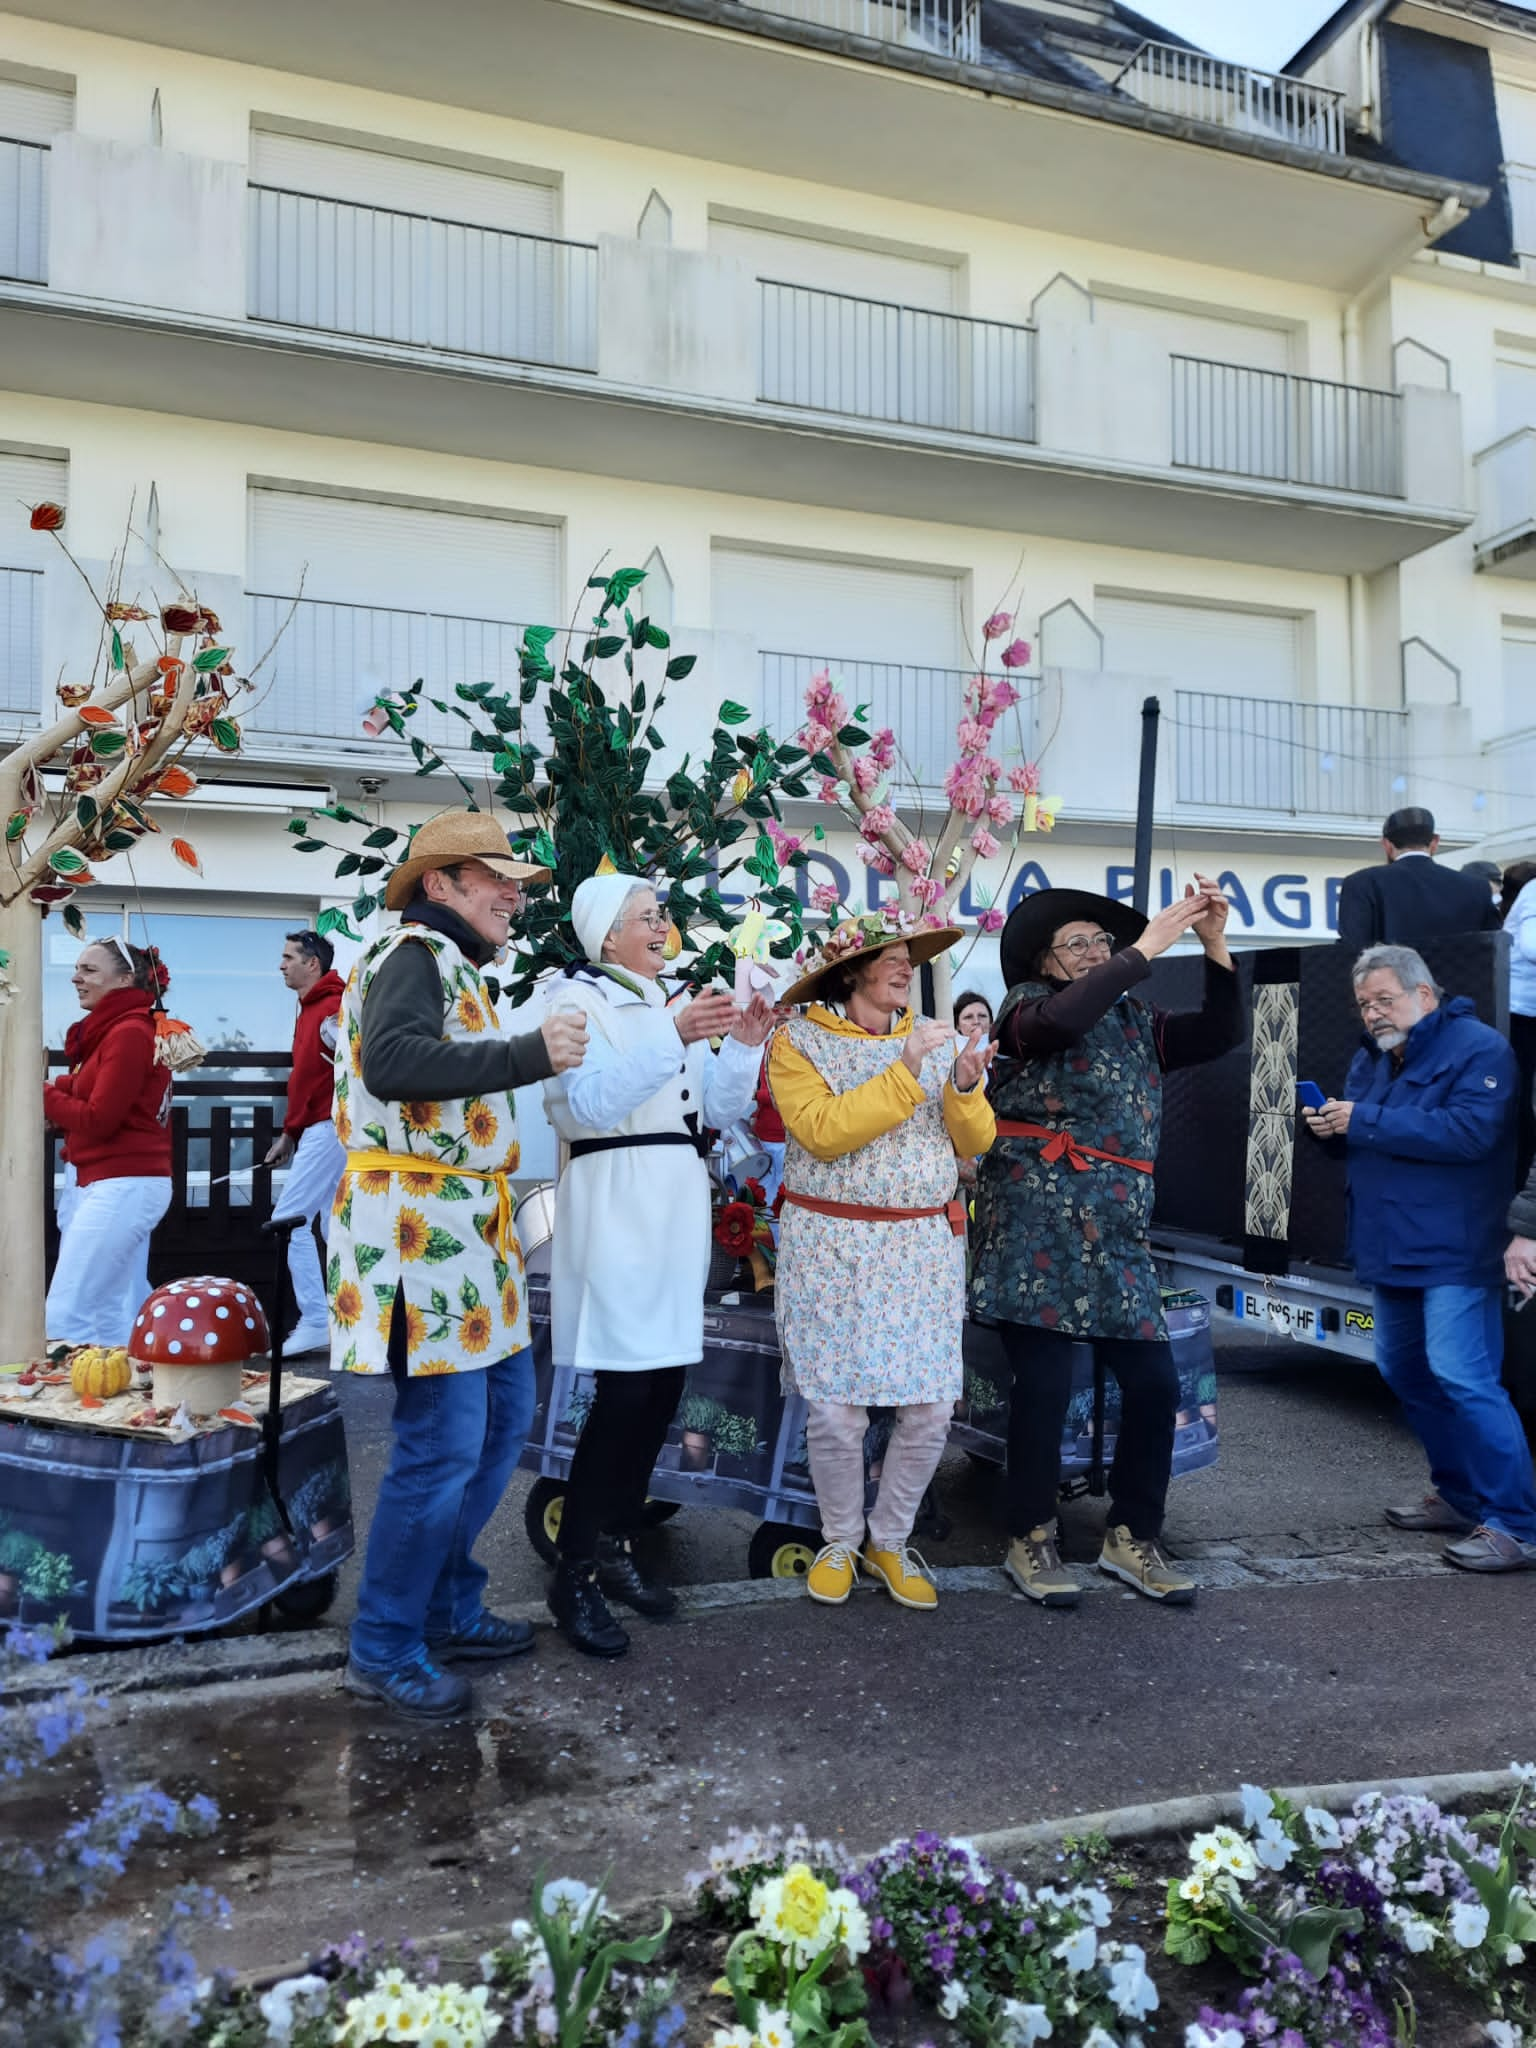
(1062, 1145)
(864, 1212)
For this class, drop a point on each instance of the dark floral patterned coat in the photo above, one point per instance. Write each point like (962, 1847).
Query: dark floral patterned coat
(1061, 1246)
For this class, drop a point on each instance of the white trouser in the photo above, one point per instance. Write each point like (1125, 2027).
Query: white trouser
(102, 1278)
(319, 1160)
(834, 1433)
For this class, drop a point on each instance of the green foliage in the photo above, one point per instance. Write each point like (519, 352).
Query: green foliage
(733, 1435)
(580, 1960)
(575, 764)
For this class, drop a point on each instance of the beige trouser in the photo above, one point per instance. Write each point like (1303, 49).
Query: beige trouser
(834, 1434)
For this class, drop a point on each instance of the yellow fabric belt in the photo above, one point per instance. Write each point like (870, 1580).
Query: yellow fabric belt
(436, 1169)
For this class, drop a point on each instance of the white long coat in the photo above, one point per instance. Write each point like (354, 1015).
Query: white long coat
(630, 1256)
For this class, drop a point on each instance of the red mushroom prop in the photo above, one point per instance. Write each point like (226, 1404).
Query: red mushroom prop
(199, 1336)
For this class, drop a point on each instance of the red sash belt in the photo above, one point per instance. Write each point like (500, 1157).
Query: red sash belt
(1062, 1145)
(864, 1212)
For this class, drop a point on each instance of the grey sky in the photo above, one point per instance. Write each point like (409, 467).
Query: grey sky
(1259, 32)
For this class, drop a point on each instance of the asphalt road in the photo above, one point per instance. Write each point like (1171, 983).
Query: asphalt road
(1311, 1449)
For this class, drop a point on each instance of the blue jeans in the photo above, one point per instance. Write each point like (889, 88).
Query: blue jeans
(1439, 1349)
(458, 1437)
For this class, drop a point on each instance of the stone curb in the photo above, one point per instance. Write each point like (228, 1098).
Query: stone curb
(181, 1665)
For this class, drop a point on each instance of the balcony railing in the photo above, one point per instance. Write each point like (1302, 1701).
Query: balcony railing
(1509, 769)
(333, 660)
(951, 28)
(1271, 754)
(1201, 88)
(1298, 430)
(1520, 189)
(24, 210)
(410, 277)
(872, 360)
(921, 705)
(1506, 493)
(21, 618)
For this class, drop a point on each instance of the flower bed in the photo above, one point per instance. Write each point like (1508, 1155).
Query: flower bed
(1393, 1924)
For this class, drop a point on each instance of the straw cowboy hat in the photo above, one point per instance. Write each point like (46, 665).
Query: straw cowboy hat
(453, 836)
(1036, 919)
(860, 938)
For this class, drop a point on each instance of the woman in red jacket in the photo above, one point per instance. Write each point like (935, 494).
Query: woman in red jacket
(114, 1108)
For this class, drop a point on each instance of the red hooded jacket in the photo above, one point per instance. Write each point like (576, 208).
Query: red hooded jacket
(309, 1085)
(114, 1104)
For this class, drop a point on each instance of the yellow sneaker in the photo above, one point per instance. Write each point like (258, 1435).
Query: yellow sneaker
(830, 1579)
(903, 1574)
(1141, 1564)
(1035, 1567)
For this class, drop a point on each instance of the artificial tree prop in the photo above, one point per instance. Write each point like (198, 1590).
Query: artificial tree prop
(857, 769)
(584, 796)
(117, 748)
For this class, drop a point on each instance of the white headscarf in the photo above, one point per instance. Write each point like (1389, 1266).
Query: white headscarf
(597, 906)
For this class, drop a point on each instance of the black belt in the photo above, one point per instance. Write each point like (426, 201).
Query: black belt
(696, 1142)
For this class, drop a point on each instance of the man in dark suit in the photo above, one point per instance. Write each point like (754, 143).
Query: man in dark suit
(1411, 898)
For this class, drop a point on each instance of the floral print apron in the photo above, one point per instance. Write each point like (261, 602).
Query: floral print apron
(1052, 1246)
(871, 1312)
(436, 1232)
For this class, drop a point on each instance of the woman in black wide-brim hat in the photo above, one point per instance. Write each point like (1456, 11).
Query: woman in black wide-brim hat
(1060, 1251)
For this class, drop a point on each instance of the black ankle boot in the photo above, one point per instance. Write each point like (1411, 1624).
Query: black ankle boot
(621, 1579)
(582, 1613)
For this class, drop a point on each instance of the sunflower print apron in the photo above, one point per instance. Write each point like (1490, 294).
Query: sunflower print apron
(432, 1233)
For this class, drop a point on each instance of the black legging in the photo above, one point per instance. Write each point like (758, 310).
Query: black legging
(1042, 1391)
(619, 1445)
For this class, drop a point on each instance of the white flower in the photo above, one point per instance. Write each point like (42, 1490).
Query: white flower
(1322, 1827)
(1198, 2036)
(1078, 1951)
(1099, 2039)
(954, 1999)
(1094, 1901)
(1272, 1846)
(1514, 1954)
(1525, 1773)
(1257, 1805)
(309, 1994)
(1416, 1934)
(1193, 1889)
(1237, 1857)
(1500, 2034)
(774, 2029)
(1024, 2025)
(1131, 1990)
(731, 2037)
(569, 1892)
(1205, 1852)
(1469, 1923)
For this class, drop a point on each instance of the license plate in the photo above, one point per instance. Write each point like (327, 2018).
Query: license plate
(1293, 1319)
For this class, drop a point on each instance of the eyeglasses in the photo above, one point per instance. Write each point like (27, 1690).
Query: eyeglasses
(656, 920)
(1085, 943)
(1385, 1004)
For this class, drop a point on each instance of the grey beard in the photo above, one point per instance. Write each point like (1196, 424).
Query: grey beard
(1389, 1041)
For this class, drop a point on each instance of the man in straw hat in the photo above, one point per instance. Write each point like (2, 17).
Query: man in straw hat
(425, 1277)
(870, 1283)
(1060, 1251)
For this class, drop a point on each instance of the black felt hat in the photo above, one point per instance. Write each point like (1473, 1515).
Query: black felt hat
(1036, 918)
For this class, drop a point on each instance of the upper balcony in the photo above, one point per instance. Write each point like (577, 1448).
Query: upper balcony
(1204, 162)
(637, 359)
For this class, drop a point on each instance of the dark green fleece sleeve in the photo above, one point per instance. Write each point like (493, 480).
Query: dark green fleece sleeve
(405, 1055)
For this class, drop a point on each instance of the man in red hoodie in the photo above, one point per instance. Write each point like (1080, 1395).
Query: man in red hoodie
(309, 1138)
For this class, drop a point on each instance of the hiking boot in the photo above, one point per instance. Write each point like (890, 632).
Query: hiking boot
(581, 1612)
(620, 1578)
(483, 1640)
(832, 1573)
(1429, 1513)
(1138, 1561)
(1490, 1550)
(1035, 1567)
(419, 1689)
(903, 1574)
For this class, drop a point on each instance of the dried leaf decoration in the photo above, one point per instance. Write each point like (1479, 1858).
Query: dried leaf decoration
(72, 694)
(176, 782)
(186, 853)
(96, 714)
(46, 518)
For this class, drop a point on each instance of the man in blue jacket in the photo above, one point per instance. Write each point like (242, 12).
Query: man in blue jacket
(1428, 1124)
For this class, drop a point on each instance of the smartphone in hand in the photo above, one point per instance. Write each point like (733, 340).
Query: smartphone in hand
(1309, 1095)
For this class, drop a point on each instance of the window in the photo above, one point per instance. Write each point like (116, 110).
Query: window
(30, 116)
(25, 559)
(223, 968)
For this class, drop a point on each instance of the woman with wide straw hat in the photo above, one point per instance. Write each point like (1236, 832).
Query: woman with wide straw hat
(630, 1256)
(1059, 1247)
(870, 1283)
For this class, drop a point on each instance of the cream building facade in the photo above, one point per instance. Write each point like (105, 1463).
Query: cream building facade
(852, 321)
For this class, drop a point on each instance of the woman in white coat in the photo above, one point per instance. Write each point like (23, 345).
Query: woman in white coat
(631, 1242)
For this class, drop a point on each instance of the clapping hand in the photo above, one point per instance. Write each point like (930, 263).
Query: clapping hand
(924, 1037)
(755, 1022)
(710, 1015)
(973, 1060)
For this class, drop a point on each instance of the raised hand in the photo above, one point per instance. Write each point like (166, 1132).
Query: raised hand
(755, 1022)
(973, 1060)
(1171, 923)
(710, 1015)
(1210, 927)
(564, 1033)
(924, 1037)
